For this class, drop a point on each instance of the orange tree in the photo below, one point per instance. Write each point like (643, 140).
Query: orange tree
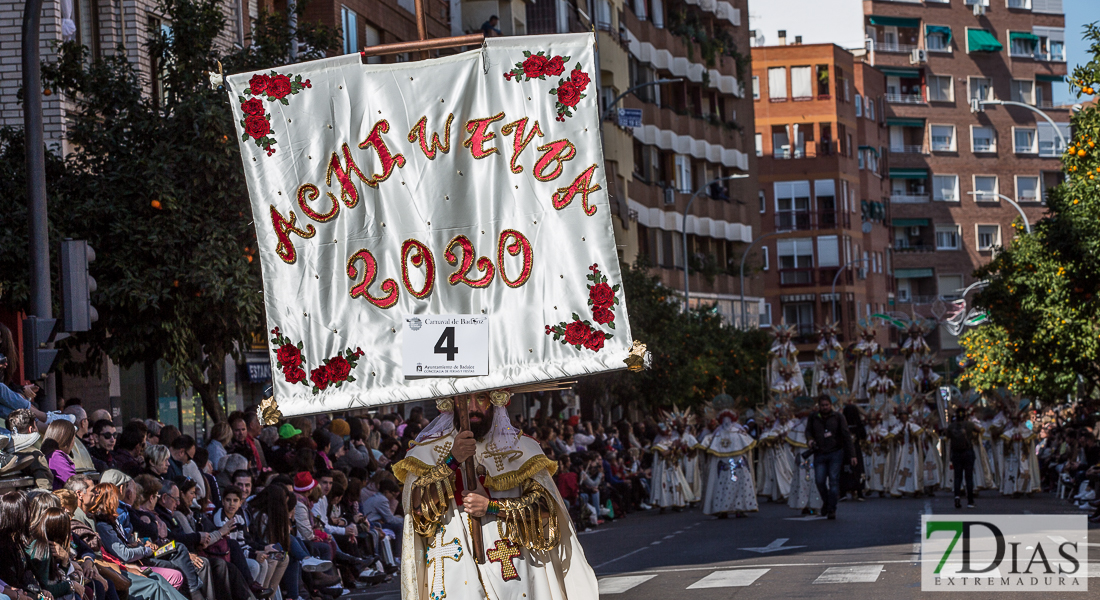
(1043, 336)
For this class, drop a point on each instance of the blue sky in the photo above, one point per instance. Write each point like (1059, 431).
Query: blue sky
(1078, 13)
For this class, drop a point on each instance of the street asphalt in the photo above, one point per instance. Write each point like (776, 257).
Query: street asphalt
(870, 551)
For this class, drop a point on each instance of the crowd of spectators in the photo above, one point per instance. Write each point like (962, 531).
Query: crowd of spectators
(1069, 457)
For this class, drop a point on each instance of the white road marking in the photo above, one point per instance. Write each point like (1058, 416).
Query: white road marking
(618, 585)
(669, 537)
(810, 518)
(723, 579)
(631, 553)
(771, 565)
(775, 546)
(860, 574)
(655, 543)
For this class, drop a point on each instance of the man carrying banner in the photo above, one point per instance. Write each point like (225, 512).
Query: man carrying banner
(531, 549)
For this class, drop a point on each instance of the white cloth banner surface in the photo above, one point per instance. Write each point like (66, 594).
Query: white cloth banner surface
(466, 185)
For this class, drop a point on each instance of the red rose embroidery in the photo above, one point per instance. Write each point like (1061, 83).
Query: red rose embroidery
(253, 107)
(602, 295)
(338, 369)
(602, 315)
(535, 66)
(577, 333)
(258, 84)
(289, 356)
(555, 66)
(278, 86)
(319, 377)
(294, 375)
(580, 79)
(568, 94)
(256, 126)
(594, 341)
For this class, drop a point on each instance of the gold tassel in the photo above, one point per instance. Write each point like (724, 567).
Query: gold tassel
(520, 519)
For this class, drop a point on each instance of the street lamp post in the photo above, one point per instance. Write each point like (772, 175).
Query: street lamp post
(976, 106)
(1027, 224)
(610, 105)
(743, 257)
(837, 276)
(684, 226)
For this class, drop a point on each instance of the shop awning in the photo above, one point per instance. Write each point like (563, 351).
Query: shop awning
(893, 21)
(910, 122)
(871, 148)
(900, 72)
(908, 173)
(942, 29)
(1051, 78)
(912, 273)
(980, 40)
(1023, 35)
(911, 222)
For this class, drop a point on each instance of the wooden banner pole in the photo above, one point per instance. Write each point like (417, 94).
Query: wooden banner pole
(469, 473)
(425, 45)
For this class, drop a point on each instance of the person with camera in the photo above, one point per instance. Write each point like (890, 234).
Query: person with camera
(830, 441)
(960, 433)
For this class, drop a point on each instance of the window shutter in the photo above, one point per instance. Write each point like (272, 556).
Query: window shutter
(828, 254)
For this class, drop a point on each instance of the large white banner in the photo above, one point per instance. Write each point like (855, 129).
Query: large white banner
(470, 187)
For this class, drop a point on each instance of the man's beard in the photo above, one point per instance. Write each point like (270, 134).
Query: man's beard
(479, 428)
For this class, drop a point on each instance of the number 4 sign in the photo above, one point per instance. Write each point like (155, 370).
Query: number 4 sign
(445, 345)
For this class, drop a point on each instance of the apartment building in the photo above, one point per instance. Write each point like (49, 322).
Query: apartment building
(823, 199)
(951, 168)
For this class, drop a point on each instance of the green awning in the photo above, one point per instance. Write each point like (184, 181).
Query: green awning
(912, 273)
(1051, 78)
(908, 173)
(980, 40)
(900, 72)
(911, 122)
(1023, 35)
(893, 21)
(871, 148)
(942, 29)
(911, 222)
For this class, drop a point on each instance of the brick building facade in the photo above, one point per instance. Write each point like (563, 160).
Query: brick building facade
(823, 196)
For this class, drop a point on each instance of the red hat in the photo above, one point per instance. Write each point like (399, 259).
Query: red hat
(575, 420)
(303, 482)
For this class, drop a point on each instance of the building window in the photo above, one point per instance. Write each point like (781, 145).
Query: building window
(983, 139)
(822, 81)
(1024, 4)
(755, 87)
(943, 138)
(802, 83)
(945, 188)
(947, 237)
(1050, 145)
(349, 22)
(760, 144)
(800, 315)
(1023, 90)
(828, 254)
(763, 202)
(861, 161)
(1021, 44)
(792, 205)
(1027, 188)
(1024, 140)
(936, 42)
(985, 188)
(859, 105)
(777, 84)
(981, 88)
(765, 314)
(683, 173)
(796, 261)
(1051, 44)
(989, 236)
(767, 262)
(941, 88)
(951, 287)
(870, 108)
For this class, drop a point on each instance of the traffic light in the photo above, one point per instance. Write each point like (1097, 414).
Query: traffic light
(77, 286)
(37, 358)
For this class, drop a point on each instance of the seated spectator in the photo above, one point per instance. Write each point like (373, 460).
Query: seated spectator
(156, 460)
(59, 442)
(129, 449)
(103, 443)
(216, 441)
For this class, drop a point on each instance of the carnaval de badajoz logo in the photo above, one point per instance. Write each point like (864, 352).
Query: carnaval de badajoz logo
(1004, 553)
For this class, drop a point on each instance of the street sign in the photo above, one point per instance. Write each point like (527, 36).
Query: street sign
(445, 345)
(630, 117)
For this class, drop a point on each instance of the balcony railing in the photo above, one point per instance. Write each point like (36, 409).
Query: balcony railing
(909, 198)
(895, 47)
(802, 220)
(908, 150)
(846, 278)
(796, 276)
(907, 247)
(905, 98)
(810, 150)
(918, 300)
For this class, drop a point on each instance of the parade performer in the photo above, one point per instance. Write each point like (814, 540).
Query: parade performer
(926, 381)
(1021, 464)
(880, 388)
(690, 463)
(995, 426)
(879, 452)
(864, 349)
(788, 379)
(730, 483)
(930, 452)
(828, 372)
(914, 349)
(804, 495)
(668, 487)
(776, 459)
(908, 463)
(531, 548)
(782, 358)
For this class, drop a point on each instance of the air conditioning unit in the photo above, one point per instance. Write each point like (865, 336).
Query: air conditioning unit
(914, 230)
(670, 196)
(918, 56)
